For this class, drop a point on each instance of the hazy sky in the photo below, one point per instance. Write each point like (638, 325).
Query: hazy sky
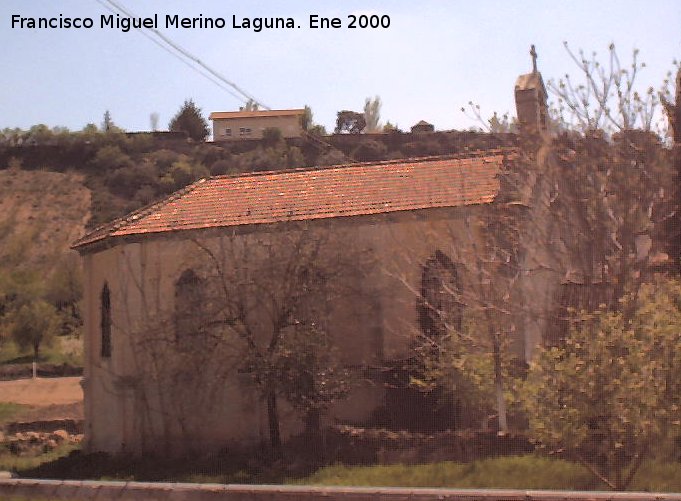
(435, 57)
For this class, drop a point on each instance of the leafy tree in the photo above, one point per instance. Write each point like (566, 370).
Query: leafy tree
(609, 394)
(317, 130)
(125, 181)
(40, 134)
(163, 159)
(350, 122)
(372, 114)
(306, 120)
(312, 377)
(90, 132)
(183, 172)
(309, 125)
(190, 121)
(110, 158)
(64, 290)
(33, 324)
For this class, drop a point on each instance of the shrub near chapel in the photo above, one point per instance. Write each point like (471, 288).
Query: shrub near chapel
(609, 395)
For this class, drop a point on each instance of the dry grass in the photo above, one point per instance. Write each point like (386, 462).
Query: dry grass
(41, 213)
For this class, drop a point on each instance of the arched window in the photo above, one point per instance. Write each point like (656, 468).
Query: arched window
(105, 315)
(189, 304)
(439, 305)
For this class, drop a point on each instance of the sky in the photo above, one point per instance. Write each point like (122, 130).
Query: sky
(433, 59)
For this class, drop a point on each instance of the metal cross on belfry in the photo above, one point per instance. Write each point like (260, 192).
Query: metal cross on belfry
(533, 53)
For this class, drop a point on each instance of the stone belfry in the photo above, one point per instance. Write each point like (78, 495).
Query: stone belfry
(530, 100)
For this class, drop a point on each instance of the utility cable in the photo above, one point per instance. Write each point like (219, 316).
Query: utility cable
(221, 80)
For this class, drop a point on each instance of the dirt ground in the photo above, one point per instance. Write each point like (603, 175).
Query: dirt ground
(47, 398)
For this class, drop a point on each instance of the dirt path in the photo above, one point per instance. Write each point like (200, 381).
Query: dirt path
(46, 399)
(42, 392)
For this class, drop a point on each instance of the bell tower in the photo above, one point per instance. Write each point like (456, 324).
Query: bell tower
(530, 100)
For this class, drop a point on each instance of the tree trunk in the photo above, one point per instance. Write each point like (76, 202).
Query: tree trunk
(273, 422)
(499, 388)
(36, 352)
(498, 372)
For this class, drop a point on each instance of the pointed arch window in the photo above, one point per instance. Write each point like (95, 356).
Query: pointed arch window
(105, 327)
(189, 304)
(439, 305)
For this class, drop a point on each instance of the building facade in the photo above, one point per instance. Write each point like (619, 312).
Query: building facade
(186, 299)
(391, 231)
(239, 125)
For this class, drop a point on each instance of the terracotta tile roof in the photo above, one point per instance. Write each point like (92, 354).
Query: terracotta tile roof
(304, 194)
(216, 115)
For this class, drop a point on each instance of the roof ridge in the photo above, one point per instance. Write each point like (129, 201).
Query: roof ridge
(431, 158)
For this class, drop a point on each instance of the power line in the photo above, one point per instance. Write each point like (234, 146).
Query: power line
(183, 61)
(177, 49)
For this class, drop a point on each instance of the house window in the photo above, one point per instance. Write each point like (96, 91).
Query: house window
(245, 131)
(228, 132)
(105, 322)
(189, 304)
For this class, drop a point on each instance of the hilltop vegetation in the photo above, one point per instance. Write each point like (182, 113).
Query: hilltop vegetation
(126, 171)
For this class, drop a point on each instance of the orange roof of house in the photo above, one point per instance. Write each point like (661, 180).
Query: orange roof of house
(307, 194)
(216, 115)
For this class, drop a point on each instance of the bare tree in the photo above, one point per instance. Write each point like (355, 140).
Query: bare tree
(272, 294)
(175, 362)
(673, 109)
(468, 302)
(579, 221)
(609, 97)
